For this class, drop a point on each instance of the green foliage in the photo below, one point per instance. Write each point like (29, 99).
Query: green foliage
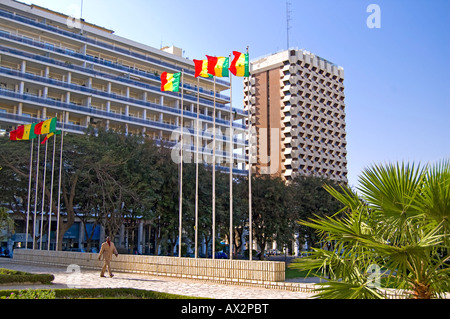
(31, 294)
(272, 219)
(13, 276)
(311, 197)
(113, 179)
(82, 293)
(399, 223)
(6, 221)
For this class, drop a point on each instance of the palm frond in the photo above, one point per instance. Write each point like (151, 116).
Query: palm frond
(391, 189)
(347, 290)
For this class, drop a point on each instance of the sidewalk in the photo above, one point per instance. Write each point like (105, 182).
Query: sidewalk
(84, 278)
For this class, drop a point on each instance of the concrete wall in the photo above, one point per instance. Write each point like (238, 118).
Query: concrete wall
(218, 269)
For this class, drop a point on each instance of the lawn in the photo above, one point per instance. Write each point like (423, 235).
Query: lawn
(295, 273)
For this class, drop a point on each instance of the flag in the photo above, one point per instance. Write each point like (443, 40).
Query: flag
(50, 135)
(170, 81)
(201, 68)
(16, 135)
(13, 135)
(239, 65)
(28, 132)
(23, 132)
(218, 66)
(45, 127)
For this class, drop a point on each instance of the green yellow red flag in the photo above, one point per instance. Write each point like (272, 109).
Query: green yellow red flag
(201, 68)
(23, 132)
(45, 127)
(218, 66)
(50, 135)
(240, 65)
(170, 81)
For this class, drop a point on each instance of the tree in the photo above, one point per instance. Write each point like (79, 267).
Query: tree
(106, 176)
(270, 211)
(398, 225)
(5, 221)
(311, 198)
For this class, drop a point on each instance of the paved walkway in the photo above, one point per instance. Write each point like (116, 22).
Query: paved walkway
(83, 278)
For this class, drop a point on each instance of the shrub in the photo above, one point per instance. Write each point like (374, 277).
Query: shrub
(98, 293)
(31, 294)
(14, 276)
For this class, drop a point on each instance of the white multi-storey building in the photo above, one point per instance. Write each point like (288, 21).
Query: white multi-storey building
(50, 66)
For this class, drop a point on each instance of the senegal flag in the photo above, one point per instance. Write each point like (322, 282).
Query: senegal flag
(28, 132)
(23, 132)
(201, 68)
(13, 135)
(239, 65)
(45, 127)
(218, 66)
(50, 135)
(170, 81)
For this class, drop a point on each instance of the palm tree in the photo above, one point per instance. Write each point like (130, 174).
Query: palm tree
(398, 224)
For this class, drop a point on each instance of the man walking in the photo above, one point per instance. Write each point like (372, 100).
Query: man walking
(107, 250)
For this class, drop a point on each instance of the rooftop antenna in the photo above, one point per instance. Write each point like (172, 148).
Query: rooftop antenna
(81, 18)
(288, 20)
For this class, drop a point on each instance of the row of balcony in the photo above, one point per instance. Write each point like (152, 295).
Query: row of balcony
(85, 39)
(89, 111)
(204, 151)
(120, 98)
(125, 80)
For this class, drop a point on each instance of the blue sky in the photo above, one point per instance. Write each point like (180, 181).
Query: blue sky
(397, 83)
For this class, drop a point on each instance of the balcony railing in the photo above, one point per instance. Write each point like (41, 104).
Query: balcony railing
(105, 114)
(118, 97)
(85, 39)
(72, 53)
(81, 129)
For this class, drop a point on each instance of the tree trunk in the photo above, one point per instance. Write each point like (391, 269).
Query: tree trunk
(421, 291)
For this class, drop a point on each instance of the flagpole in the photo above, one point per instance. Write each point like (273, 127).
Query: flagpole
(51, 195)
(59, 183)
(213, 246)
(180, 207)
(43, 196)
(29, 192)
(231, 166)
(250, 219)
(196, 171)
(36, 192)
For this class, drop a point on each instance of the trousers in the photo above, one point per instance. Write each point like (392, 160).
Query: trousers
(106, 264)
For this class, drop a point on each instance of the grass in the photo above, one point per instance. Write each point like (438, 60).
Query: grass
(295, 273)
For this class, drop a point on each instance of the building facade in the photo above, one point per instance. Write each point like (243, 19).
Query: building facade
(86, 75)
(296, 102)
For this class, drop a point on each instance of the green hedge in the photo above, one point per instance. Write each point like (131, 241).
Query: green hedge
(8, 276)
(102, 293)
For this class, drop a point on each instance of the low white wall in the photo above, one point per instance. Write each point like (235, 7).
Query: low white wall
(217, 269)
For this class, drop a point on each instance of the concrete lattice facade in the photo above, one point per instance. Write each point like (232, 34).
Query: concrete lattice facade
(296, 100)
